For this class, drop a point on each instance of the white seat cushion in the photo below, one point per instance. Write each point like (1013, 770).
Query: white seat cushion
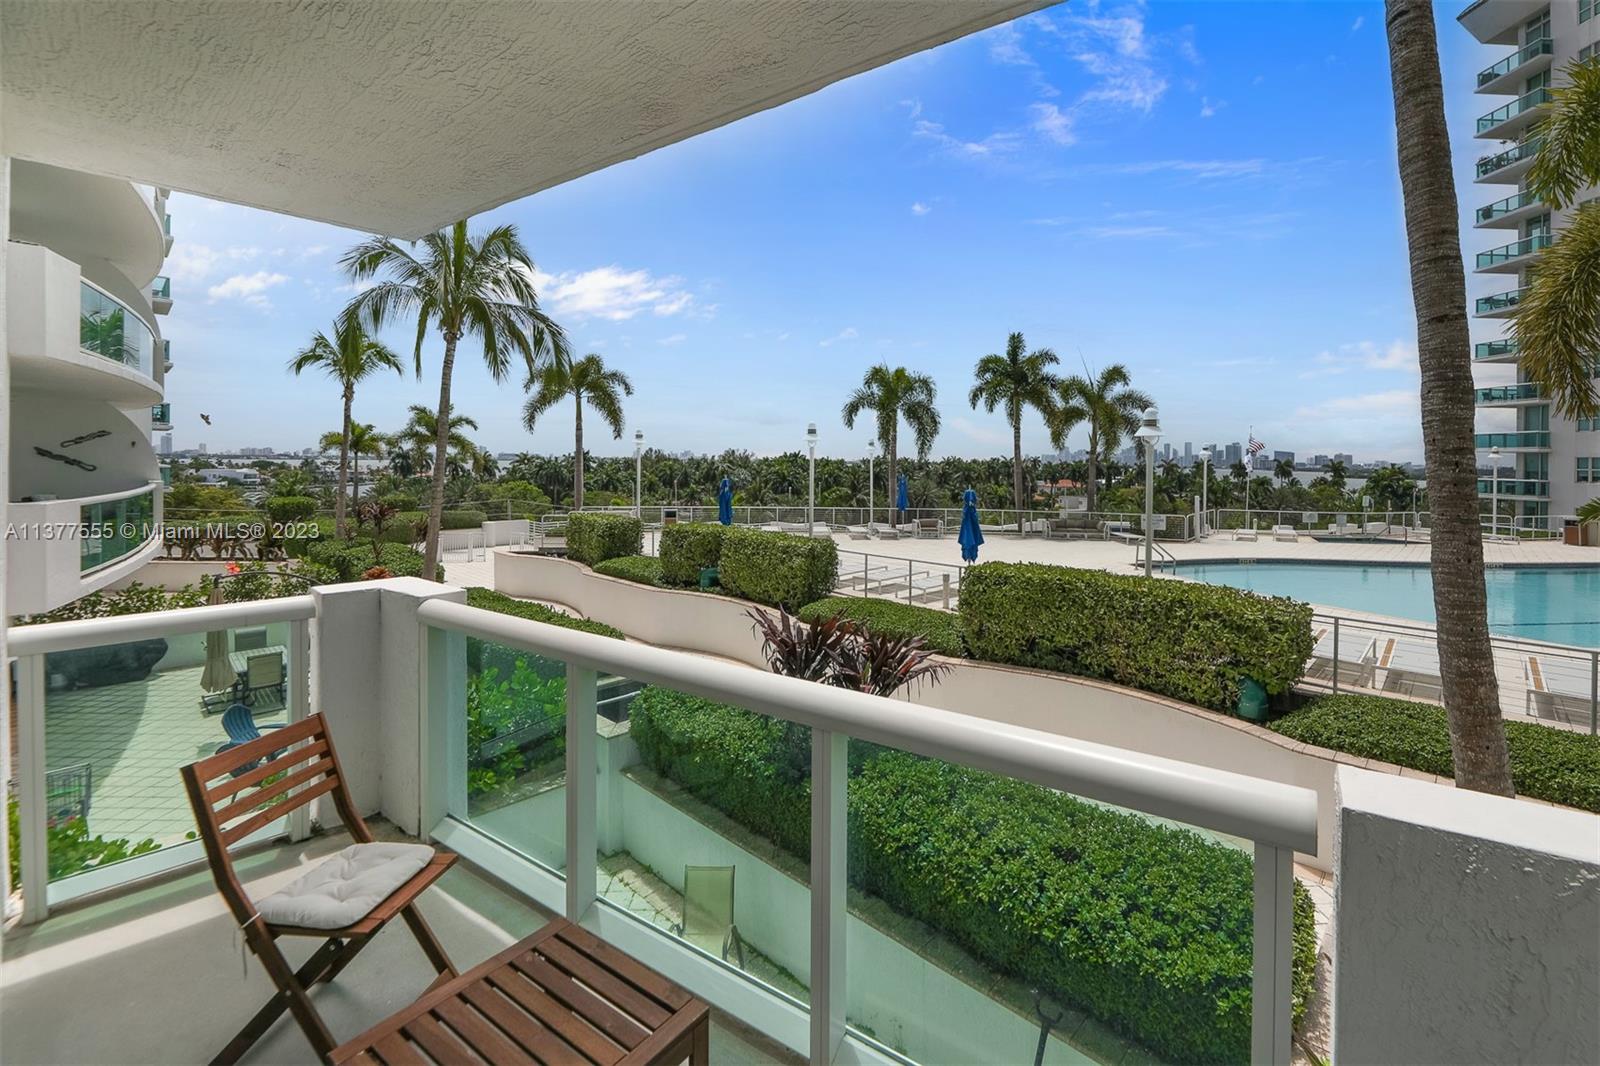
(344, 889)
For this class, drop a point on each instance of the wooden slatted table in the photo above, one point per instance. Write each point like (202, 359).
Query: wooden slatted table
(560, 996)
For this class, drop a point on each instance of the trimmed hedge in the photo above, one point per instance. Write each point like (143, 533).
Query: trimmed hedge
(688, 548)
(594, 538)
(350, 559)
(283, 509)
(1146, 926)
(1182, 639)
(1546, 763)
(940, 629)
(490, 600)
(777, 569)
(645, 569)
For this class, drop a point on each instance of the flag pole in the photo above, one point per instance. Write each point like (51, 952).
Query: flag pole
(1249, 468)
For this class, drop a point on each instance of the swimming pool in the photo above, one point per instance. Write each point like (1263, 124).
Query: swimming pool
(1555, 603)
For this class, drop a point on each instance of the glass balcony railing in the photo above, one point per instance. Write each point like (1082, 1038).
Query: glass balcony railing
(1514, 250)
(1521, 105)
(1509, 487)
(1500, 160)
(1501, 208)
(161, 288)
(166, 224)
(161, 414)
(1500, 301)
(1508, 393)
(114, 529)
(1494, 349)
(166, 473)
(111, 330)
(1533, 438)
(1542, 47)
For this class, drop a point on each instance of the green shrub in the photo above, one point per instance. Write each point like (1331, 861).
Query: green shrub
(1182, 639)
(940, 629)
(1551, 764)
(350, 559)
(594, 538)
(283, 509)
(490, 600)
(688, 548)
(778, 569)
(645, 569)
(1146, 926)
(403, 527)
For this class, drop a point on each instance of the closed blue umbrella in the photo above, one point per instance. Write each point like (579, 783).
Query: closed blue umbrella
(902, 499)
(971, 536)
(725, 503)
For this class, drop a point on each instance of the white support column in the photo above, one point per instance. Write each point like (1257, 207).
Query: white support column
(30, 788)
(829, 780)
(6, 768)
(299, 693)
(581, 799)
(442, 680)
(1270, 1019)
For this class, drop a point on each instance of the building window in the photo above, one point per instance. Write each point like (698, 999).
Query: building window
(1589, 468)
(1536, 29)
(1588, 425)
(1587, 52)
(1586, 9)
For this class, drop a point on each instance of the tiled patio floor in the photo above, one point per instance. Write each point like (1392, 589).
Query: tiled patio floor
(135, 736)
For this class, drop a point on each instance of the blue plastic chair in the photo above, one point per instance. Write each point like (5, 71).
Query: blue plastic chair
(239, 722)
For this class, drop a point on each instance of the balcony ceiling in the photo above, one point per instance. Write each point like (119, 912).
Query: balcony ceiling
(397, 116)
(85, 216)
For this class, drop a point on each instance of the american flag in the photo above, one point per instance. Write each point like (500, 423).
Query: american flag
(1255, 445)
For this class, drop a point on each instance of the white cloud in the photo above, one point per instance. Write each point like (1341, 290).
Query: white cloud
(250, 288)
(1208, 107)
(847, 334)
(1367, 406)
(1204, 169)
(1124, 233)
(676, 338)
(612, 293)
(190, 262)
(997, 143)
(1357, 24)
(1397, 355)
(1053, 123)
(1112, 47)
(982, 434)
(920, 208)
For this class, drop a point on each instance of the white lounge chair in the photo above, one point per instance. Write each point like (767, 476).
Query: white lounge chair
(929, 528)
(1357, 658)
(1376, 529)
(1288, 533)
(1244, 534)
(1558, 687)
(1341, 526)
(858, 532)
(884, 531)
(1410, 663)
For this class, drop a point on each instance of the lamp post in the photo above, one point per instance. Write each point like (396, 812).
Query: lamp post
(638, 472)
(1494, 492)
(811, 480)
(872, 453)
(1149, 432)
(1205, 458)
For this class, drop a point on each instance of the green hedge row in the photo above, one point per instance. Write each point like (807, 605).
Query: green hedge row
(1551, 764)
(778, 568)
(688, 548)
(284, 509)
(350, 559)
(1145, 926)
(490, 600)
(594, 538)
(645, 569)
(1182, 639)
(940, 629)
(401, 528)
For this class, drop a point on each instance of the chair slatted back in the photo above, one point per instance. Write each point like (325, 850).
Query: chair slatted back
(298, 764)
(264, 670)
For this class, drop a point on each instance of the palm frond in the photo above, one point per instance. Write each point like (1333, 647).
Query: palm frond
(1556, 326)
(1568, 160)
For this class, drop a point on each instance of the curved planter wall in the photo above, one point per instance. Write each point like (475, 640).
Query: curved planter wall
(1069, 706)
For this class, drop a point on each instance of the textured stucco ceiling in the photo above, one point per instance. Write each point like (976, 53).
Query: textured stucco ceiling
(399, 116)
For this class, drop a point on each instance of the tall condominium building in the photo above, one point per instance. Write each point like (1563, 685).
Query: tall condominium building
(88, 367)
(1555, 461)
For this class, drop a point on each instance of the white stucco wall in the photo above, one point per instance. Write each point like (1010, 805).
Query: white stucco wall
(1466, 928)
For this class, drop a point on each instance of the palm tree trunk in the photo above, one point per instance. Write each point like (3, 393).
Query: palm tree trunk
(1016, 468)
(895, 517)
(577, 455)
(441, 444)
(344, 464)
(355, 479)
(1438, 288)
(1090, 472)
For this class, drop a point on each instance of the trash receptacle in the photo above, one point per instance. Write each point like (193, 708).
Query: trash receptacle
(1572, 533)
(710, 578)
(1252, 700)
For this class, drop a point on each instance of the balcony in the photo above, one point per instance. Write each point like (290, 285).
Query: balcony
(1511, 258)
(1500, 351)
(166, 231)
(1509, 395)
(166, 356)
(1532, 440)
(77, 546)
(1508, 166)
(1510, 212)
(1514, 489)
(1508, 75)
(1500, 305)
(111, 330)
(161, 295)
(161, 416)
(1504, 123)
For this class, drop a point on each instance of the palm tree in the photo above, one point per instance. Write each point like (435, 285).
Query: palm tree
(364, 439)
(419, 435)
(485, 464)
(585, 380)
(1110, 407)
(348, 356)
(1283, 470)
(468, 285)
(1338, 473)
(893, 395)
(1555, 326)
(1017, 381)
(1438, 290)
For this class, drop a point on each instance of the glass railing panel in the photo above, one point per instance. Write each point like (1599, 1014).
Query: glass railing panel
(1494, 349)
(1490, 163)
(1506, 487)
(161, 412)
(1542, 47)
(1514, 250)
(109, 329)
(1537, 98)
(515, 747)
(1500, 301)
(121, 719)
(1505, 393)
(1526, 439)
(161, 288)
(1500, 208)
(114, 529)
(703, 829)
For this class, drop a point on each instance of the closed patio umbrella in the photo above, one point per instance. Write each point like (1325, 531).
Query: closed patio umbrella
(971, 535)
(902, 500)
(725, 503)
(219, 673)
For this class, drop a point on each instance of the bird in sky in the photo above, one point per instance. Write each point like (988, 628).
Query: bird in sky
(206, 419)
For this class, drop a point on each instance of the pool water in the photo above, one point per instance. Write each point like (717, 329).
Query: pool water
(1560, 604)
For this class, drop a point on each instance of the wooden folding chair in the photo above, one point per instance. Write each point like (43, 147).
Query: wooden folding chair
(226, 812)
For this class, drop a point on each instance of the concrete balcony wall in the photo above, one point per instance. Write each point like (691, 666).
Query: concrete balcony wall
(44, 563)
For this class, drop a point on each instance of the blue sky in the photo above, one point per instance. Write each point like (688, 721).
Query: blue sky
(1205, 192)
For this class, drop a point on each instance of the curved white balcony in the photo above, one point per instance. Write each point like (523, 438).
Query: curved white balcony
(60, 550)
(86, 217)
